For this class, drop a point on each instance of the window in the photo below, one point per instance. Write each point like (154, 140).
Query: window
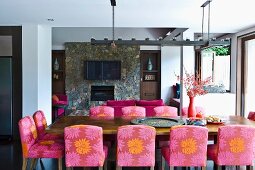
(215, 62)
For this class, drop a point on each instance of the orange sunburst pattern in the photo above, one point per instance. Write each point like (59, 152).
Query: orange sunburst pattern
(189, 146)
(33, 131)
(47, 142)
(44, 123)
(82, 146)
(24, 149)
(236, 145)
(135, 146)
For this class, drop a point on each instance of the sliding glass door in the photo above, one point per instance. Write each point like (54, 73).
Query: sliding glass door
(248, 80)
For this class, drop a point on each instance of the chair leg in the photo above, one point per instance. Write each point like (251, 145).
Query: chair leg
(100, 168)
(171, 168)
(24, 164)
(203, 167)
(163, 163)
(69, 168)
(219, 167)
(118, 168)
(152, 168)
(105, 164)
(59, 163)
(33, 163)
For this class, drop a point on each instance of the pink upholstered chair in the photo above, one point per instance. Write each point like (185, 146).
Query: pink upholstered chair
(166, 111)
(105, 112)
(133, 111)
(41, 124)
(136, 146)
(234, 146)
(251, 116)
(34, 148)
(84, 146)
(198, 109)
(188, 145)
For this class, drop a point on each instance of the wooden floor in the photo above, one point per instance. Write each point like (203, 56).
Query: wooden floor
(11, 159)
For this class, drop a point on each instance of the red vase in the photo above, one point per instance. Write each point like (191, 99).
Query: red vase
(191, 109)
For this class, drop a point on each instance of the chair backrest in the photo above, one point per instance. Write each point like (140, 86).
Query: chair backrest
(28, 134)
(84, 146)
(188, 145)
(198, 110)
(166, 111)
(101, 112)
(136, 145)
(235, 145)
(133, 111)
(251, 116)
(40, 123)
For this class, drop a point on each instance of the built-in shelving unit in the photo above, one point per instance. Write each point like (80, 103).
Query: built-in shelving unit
(58, 72)
(150, 75)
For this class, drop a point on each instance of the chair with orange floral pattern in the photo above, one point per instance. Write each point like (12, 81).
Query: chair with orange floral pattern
(136, 146)
(133, 111)
(41, 124)
(234, 146)
(32, 148)
(188, 145)
(84, 146)
(105, 112)
(199, 109)
(166, 111)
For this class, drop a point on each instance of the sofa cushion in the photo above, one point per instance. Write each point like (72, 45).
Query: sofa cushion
(120, 102)
(150, 102)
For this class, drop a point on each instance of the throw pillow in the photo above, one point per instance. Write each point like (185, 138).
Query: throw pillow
(55, 98)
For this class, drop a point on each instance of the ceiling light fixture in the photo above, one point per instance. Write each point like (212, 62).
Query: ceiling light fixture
(113, 3)
(165, 42)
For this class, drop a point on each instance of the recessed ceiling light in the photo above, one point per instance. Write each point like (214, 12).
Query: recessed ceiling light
(50, 19)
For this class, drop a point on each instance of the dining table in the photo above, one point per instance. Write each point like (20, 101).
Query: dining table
(110, 126)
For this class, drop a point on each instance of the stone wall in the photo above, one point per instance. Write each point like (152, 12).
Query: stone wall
(78, 89)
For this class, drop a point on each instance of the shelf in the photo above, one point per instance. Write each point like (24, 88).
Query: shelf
(58, 71)
(150, 71)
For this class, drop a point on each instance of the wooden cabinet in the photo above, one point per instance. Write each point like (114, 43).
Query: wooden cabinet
(150, 75)
(58, 72)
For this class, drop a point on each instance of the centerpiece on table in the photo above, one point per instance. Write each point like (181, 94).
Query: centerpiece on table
(194, 87)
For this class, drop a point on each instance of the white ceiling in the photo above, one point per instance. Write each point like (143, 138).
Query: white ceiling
(227, 16)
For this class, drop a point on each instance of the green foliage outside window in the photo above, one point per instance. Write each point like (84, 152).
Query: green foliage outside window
(220, 51)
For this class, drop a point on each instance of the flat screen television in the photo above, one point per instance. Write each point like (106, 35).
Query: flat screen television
(102, 70)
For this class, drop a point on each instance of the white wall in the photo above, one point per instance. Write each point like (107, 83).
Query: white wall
(29, 69)
(170, 65)
(36, 65)
(5, 45)
(44, 70)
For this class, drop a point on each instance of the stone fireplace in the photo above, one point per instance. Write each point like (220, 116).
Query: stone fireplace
(102, 93)
(79, 89)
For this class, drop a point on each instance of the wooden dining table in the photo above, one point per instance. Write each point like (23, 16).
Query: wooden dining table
(110, 126)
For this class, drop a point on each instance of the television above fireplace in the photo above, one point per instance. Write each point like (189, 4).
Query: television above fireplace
(102, 70)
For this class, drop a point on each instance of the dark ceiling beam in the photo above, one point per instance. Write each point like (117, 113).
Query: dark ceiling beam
(176, 32)
(113, 2)
(159, 42)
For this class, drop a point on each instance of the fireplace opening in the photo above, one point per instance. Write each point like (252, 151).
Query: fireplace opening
(102, 93)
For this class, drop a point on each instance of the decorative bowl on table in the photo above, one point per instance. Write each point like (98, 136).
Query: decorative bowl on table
(196, 121)
(158, 121)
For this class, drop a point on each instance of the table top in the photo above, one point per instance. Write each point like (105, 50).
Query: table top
(110, 126)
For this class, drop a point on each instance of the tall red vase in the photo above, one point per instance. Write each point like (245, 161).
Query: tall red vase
(191, 109)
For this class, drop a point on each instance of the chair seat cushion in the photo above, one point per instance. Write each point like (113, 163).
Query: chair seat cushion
(105, 151)
(212, 152)
(46, 149)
